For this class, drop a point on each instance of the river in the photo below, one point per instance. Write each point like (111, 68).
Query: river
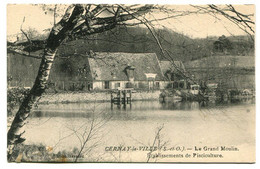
(65, 127)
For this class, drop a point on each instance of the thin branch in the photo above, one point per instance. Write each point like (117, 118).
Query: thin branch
(151, 29)
(85, 141)
(25, 34)
(238, 21)
(23, 53)
(243, 20)
(54, 14)
(157, 137)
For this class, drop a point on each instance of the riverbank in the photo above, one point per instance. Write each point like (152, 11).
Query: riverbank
(76, 97)
(41, 153)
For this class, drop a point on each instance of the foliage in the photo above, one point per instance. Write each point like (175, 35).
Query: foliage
(41, 153)
(140, 40)
(78, 20)
(221, 90)
(222, 44)
(15, 97)
(77, 87)
(234, 93)
(67, 67)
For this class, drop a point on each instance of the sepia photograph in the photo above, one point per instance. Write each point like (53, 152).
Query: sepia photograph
(130, 83)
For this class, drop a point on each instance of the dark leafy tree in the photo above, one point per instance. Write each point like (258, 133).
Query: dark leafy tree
(223, 44)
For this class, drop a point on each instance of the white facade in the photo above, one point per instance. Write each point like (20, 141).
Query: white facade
(123, 84)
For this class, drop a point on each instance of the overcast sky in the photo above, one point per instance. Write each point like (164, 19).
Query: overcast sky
(196, 26)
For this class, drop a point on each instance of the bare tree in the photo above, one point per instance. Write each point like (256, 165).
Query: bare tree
(242, 20)
(85, 20)
(89, 133)
(157, 142)
(78, 20)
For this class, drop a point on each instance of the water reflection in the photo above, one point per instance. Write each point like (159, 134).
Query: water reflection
(186, 123)
(128, 111)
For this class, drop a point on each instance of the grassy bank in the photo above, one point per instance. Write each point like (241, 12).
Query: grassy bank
(41, 153)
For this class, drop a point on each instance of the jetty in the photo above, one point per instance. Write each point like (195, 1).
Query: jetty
(121, 96)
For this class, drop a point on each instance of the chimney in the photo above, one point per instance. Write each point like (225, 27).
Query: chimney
(130, 73)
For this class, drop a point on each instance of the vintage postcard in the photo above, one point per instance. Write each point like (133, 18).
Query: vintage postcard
(131, 83)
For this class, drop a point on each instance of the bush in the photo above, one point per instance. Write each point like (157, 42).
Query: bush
(41, 153)
(15, 97)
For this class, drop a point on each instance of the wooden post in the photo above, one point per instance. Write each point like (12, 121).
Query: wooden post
(119, 99)
(153, 86)
(124, 93)
(185, 84)
(112, 97)
(112, 106)
(62, 85)
(124, 106)
(112, 101)
(130, 105)
(130, 96)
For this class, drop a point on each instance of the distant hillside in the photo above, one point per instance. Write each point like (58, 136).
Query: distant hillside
(229, 72)
(140, 40)
(222, 62)
(134, 40)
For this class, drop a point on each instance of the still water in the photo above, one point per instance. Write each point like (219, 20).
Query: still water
(186, 124)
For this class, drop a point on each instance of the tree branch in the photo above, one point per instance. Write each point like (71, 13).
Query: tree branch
(232, 18)
(25, 34)
(23, 53)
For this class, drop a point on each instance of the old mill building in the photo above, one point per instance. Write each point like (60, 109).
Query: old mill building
(98, 71)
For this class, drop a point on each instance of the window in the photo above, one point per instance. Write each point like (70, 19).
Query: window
(106, 84)
(117, 85)
(142, 85)
(157, 84)
(129, 85)
(90, 86)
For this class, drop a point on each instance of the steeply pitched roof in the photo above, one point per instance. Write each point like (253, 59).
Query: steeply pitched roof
(111, 66)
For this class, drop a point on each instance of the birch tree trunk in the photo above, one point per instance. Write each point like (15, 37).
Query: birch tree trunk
(59, 32)
(74, 22)
(16, 131)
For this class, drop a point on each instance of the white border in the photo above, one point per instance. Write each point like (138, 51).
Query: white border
(3, 77)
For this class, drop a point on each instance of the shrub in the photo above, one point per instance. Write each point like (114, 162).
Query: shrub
(41, 153)
(15, 97)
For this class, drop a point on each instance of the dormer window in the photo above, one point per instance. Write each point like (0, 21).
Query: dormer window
(130, 72)
(150, 76)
